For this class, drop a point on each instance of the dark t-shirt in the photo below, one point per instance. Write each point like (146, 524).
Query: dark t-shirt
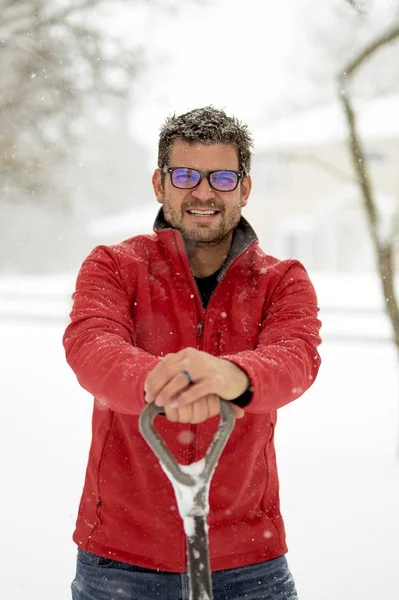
(206, 286)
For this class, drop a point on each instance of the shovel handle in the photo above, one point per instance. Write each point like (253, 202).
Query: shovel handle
(227, 420)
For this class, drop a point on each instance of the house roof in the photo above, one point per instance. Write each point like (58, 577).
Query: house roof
(377, 119)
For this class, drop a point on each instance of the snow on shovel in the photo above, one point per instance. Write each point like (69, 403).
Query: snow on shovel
(191, 485)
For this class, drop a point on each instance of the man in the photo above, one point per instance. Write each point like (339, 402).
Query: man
(194, 313)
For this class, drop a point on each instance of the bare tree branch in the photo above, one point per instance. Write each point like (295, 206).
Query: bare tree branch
(56, 68)
(385, 39)
(360, 164)
(384, 248)
(357, 152)
(356, 7)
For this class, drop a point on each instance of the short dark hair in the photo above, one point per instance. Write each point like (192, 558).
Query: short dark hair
(206, 125)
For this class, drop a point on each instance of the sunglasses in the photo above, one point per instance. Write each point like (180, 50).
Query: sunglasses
(185, 178)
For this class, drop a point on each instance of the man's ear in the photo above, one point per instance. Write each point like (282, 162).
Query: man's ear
(246, 187)
(157, 185)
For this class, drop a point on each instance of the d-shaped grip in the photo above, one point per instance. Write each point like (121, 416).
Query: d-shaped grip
(159, 448)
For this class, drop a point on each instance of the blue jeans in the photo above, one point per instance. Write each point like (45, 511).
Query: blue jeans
(100, 578)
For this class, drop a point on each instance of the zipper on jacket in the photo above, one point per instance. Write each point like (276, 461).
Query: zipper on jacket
(183, 255)
(98, 506)
(218, 342)
(193, 428)
(198, 334)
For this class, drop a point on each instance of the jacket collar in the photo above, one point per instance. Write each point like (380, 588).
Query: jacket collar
(243, 236)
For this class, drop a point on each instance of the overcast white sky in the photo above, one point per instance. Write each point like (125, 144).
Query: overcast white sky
(226, 53)
(247, 56)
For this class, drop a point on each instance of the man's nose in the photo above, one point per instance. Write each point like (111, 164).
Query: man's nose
(203, 191)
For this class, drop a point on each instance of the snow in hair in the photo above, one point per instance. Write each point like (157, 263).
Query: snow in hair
(207, 125)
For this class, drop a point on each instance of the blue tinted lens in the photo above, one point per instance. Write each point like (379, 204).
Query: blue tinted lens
(185, 178)
(224, 181)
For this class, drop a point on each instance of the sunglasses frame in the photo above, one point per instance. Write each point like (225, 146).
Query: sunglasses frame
(203, 174)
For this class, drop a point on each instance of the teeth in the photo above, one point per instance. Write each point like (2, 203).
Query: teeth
(202, 212)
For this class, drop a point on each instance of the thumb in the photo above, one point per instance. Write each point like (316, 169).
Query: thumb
(239, 413)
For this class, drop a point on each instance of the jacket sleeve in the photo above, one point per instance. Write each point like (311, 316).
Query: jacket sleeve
(100, 342)
(285, 362)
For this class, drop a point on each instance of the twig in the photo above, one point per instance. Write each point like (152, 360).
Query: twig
(357, 8)
(368, 51)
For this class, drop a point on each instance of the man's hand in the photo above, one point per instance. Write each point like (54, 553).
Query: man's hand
(199, 411)
(167, 384)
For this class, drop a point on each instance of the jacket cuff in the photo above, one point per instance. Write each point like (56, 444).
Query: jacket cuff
(245, 398)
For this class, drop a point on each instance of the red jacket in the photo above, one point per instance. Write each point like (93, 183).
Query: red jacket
(137, 301)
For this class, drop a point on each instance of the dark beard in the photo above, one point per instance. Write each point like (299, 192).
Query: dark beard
(202, 244)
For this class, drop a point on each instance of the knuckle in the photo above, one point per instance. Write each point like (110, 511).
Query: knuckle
(171, 416)
(184, 399)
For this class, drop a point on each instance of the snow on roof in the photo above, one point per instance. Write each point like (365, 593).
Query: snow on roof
(377, 119)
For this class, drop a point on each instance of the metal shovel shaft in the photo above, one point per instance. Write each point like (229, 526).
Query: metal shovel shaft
(197, 544)
(199, 571)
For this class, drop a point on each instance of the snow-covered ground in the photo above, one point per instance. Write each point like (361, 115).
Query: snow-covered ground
(336, 448)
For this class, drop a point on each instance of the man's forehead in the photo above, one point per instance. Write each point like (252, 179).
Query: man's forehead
(199, 152)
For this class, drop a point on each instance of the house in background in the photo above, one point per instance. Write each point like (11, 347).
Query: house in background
(306, 203)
